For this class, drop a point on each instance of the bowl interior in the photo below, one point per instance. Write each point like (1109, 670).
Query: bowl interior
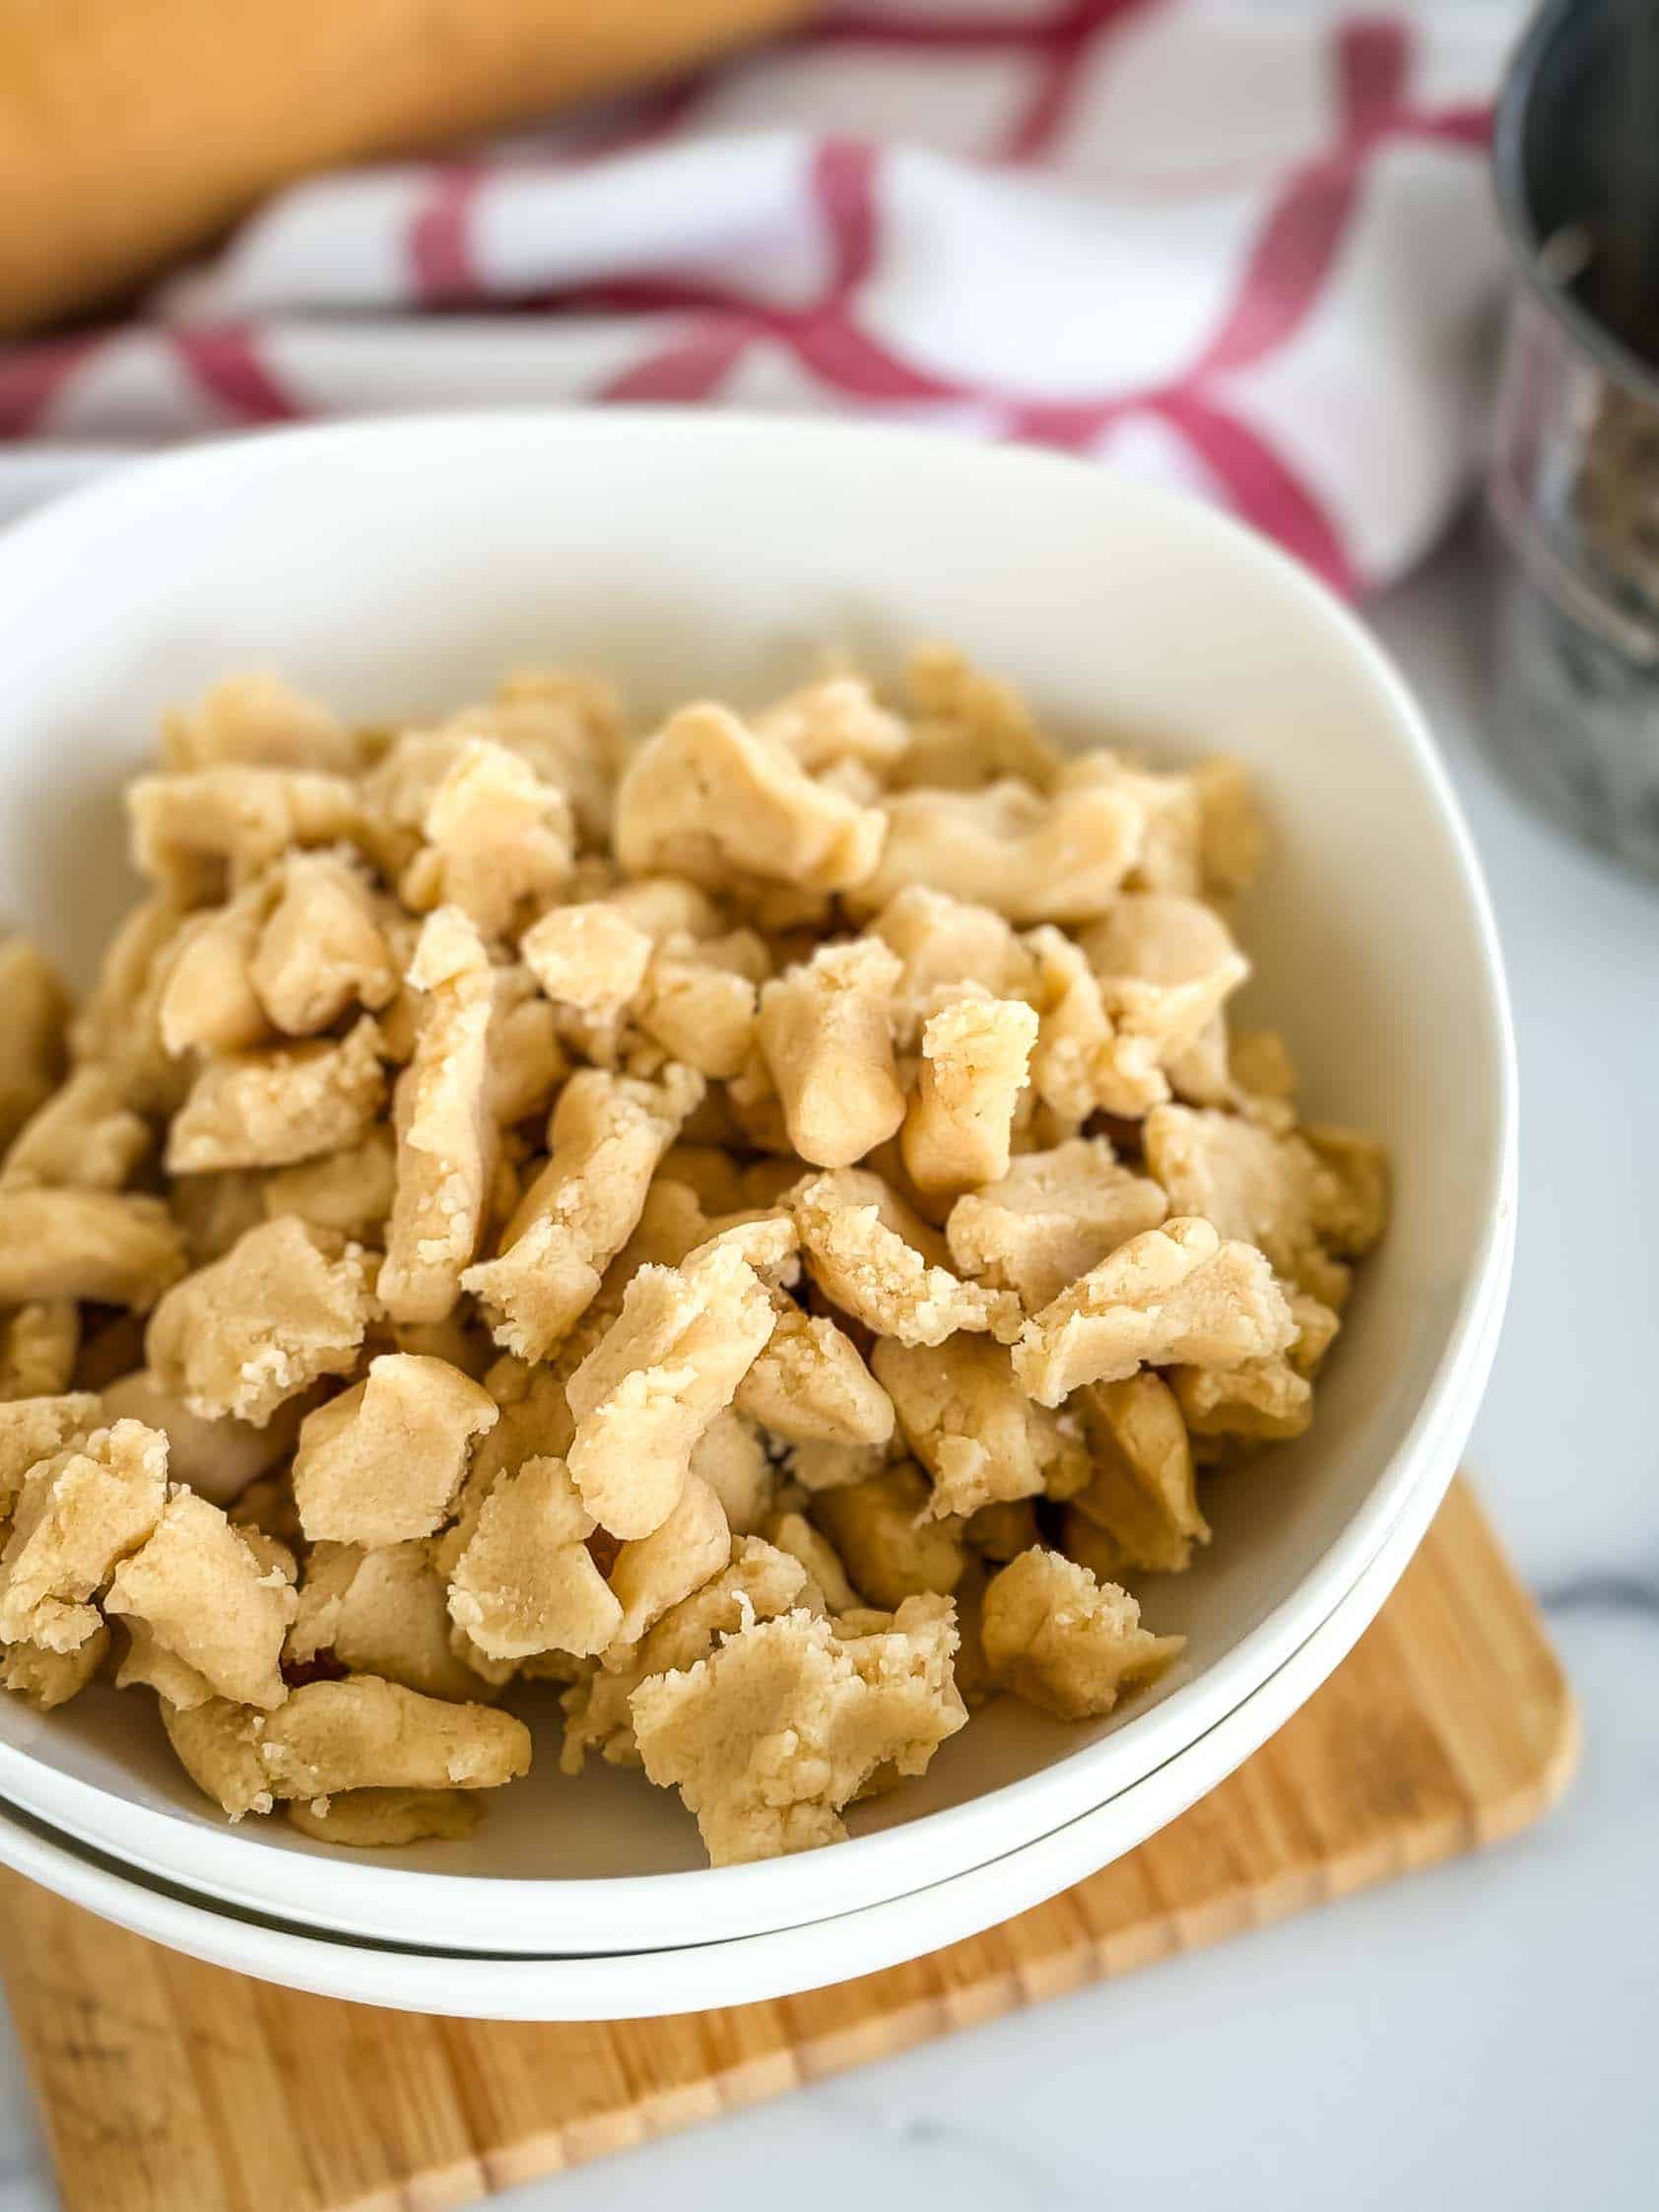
(400, 567)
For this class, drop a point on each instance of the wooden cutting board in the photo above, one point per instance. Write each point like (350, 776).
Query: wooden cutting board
(166, 2086)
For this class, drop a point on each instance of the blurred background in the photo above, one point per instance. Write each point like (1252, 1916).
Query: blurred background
(1336, 269)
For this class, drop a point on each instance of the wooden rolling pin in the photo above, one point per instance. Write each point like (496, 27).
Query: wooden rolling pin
(133, 130)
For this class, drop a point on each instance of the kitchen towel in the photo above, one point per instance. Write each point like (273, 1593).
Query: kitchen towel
(1245, 249)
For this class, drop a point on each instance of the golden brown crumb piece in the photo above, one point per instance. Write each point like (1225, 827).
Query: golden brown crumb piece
(672, 1360)
(809, 1385)
(378, 1820)
(39, 1346)
(383, 1462)
(210, 1597)
(759, 1584)
(78, 1515)
(1063, 1641)
(499, 841)
(978, 1435)
(285, 1304)
(1139, 1495)
(887, 1542)
(84, 1137)
(880, 1262)
(708, 798)
(320, 951)
(780, 1728)
(101, 1245)
(973, 1059)
(826, 1032)
(1050, 1219)
(259, 721)
(33, 1013)
(267, 1110)
(49, 1679)
(365, 1733)
(1177, 1294)
(527, 1582)
(445, 1127)
(216, 1745)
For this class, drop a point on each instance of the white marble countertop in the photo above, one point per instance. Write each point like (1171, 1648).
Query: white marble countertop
(1476, 2036)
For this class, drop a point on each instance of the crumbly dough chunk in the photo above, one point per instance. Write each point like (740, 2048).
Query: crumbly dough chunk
(889, 1540)
(1051, 1218)
(606, 1135)
(827, 1585)
(525, 1058)
(809, 1385)
(213, 1211)
(33, 1429)
(589, 957)
(381, 1612)
(761, 1582)
(699, 1001)
(974, 1430)
(780, 1728)
(84, 1137)
(349, 1192)
(383, 1462)
(321, 950)
(1139, 1495)
(445, 1127)
(1174, 1294)
(947, 945)
(731, 1458)
(710, 799)
(100, 1245)
(49, 1679)
(256, 720)
(672, 1359)
(1002, 1530)
(286, 1305)
(499, 841)
(827, 1031)
(1351, 1210)
(1063, 1641)
(969, 728)
(208, 1596)
(217, 1459)
(39, 1346)
(974, 1056)
(378, 1820)
(120, 1021)
(78, 1516)
(1166, 967)
(1085, 1061)
(834, 721)
(527, 1581)
(879, 1261)
(217, 1746)
(1262, 1398)
(653, 1572)
(205, 999)
(266, 1109)
(1007, 847)
(197, 835)
(368, 1734)
(33, 1015)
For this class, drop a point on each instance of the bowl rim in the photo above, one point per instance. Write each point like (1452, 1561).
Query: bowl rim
(743, 1898)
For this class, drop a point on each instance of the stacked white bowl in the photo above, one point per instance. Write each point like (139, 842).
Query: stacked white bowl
(399, 567)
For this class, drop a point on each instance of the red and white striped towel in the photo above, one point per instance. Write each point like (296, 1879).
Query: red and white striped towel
(1245, 248)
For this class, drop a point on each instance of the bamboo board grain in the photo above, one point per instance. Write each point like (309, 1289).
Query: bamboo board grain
(168, 2086)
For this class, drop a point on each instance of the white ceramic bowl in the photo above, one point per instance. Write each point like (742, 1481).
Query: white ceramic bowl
(747, 1968)
(398, 567)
